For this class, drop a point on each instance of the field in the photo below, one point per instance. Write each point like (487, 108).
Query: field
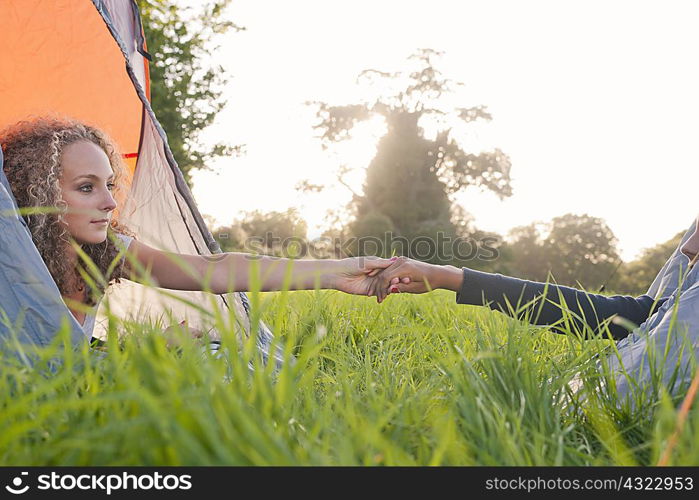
(417, 380)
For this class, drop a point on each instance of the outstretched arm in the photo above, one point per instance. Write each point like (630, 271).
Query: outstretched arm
(545, 302)
(229, 272)
(539, 303)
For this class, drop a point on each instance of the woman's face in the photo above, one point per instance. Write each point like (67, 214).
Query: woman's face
(86, 186)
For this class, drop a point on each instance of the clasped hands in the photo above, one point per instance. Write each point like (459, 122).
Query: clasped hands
(381, 277)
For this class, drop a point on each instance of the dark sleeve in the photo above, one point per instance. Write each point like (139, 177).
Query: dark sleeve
(524, 300)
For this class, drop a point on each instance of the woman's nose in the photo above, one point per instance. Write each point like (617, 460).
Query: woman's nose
(109, 202)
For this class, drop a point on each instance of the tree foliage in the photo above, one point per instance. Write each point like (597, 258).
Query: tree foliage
(576, 250)
(185, 85)
(525, 253)
(636, 276)
(270, 233)
(410, 181)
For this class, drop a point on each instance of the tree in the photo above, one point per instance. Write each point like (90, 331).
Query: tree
(581, 250)
(576, 250)
(410, 181)
(230, 238)
(525, 252)
(274, 233)
(636, 276)
(185, 88)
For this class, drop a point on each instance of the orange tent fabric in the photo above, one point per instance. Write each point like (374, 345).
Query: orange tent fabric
(48, 69)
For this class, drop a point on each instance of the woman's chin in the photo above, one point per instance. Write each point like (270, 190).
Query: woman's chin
(92, 239)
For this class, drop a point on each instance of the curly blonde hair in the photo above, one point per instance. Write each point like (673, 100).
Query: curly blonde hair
(32, 150)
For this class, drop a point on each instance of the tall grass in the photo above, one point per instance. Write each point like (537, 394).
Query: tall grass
(417, 380)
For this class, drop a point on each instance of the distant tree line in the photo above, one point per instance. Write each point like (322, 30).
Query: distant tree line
(572, 250)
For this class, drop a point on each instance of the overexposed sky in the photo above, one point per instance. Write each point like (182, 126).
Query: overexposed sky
(595, 102)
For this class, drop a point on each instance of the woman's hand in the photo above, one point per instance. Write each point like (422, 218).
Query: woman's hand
(358, 275)
(412, 276)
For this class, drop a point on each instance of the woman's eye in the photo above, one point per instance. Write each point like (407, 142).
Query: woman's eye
(86, 188)
(111, 186)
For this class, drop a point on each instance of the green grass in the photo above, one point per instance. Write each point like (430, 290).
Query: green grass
(415, 381)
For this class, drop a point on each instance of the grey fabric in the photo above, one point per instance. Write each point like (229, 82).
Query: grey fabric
(8, 190)
(668, 277)
(120, 19)
(31, 308)
(661, 354)
(667, 343)
(669, 339)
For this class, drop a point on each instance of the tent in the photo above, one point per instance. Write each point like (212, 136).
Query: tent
(87, 59)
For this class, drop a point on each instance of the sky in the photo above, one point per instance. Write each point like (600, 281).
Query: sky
(595, 102)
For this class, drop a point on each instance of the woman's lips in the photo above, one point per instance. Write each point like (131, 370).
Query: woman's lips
(101, 221)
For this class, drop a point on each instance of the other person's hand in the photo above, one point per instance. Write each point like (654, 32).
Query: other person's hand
(412, 276)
